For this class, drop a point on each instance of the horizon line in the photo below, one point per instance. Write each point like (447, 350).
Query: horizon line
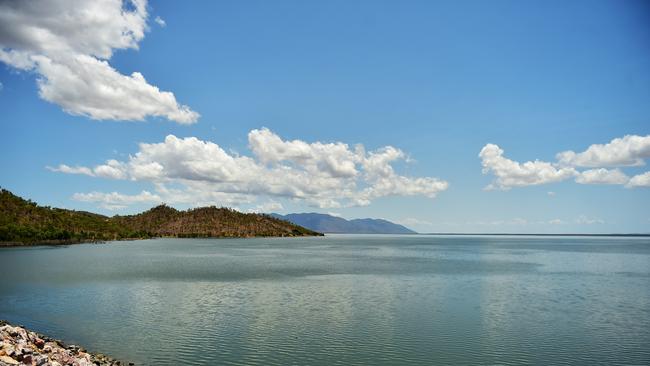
(544, 234)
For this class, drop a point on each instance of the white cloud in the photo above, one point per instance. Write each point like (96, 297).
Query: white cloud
(629, 150)
(641, 180)
(63, 168)
(86, 86)
(333, 159)
(68, 43)
(584, 220)
(112, 169)
(556, 222)
(267, 207)
(197, 194)
(115, 201)
(160, 21)
(602, 176)
(551, 193)
(326, 175)
(510, 173)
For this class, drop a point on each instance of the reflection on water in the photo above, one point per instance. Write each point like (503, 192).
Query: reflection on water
(346, 300)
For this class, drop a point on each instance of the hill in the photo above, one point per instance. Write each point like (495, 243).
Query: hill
(23, 222)
(331, 224)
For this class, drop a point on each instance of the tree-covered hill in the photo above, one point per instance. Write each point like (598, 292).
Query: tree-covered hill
(23, 222)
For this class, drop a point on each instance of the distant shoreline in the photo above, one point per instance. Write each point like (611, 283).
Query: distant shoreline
(537, 234)
(55, 243)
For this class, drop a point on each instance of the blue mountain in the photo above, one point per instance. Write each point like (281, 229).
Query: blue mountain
(324, 223)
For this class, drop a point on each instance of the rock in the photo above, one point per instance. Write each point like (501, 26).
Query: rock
(67, 360)
(84, 362)
(18, 345)
(22, 333)
(8, 360)
(8, 349)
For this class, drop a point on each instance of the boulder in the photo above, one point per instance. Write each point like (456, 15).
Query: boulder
(8, 360)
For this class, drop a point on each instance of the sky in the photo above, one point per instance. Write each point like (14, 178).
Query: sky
(459, 116)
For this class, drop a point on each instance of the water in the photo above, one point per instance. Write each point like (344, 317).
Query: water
(340, 300)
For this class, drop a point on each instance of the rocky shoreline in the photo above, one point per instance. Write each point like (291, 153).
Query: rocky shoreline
(19, 346)
(50, 243)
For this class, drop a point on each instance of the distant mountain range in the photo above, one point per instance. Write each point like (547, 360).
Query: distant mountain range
(331, 224)
(23, 222)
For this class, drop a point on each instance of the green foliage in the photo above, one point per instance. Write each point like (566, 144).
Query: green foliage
(24, 222)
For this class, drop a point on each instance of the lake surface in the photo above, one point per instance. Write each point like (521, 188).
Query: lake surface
(340, 299)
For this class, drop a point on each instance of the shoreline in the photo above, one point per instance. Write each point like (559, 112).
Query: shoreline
(11, 244)
(20, 346)
(54, 243)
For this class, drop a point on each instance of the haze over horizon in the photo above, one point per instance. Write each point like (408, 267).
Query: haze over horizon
(469, 116)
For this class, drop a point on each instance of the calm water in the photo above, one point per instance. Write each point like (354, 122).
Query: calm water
(340, 300)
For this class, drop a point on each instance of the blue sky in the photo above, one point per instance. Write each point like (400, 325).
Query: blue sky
(437, 80)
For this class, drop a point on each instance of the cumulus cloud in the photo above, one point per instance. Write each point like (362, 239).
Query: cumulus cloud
(115, 201)
(630, 150)
(602, 176)
(641, 180)
(333, 159)
(326, 175)
(510, 173)
(68, 45)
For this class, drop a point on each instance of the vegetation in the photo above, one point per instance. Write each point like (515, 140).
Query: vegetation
(23, 222)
